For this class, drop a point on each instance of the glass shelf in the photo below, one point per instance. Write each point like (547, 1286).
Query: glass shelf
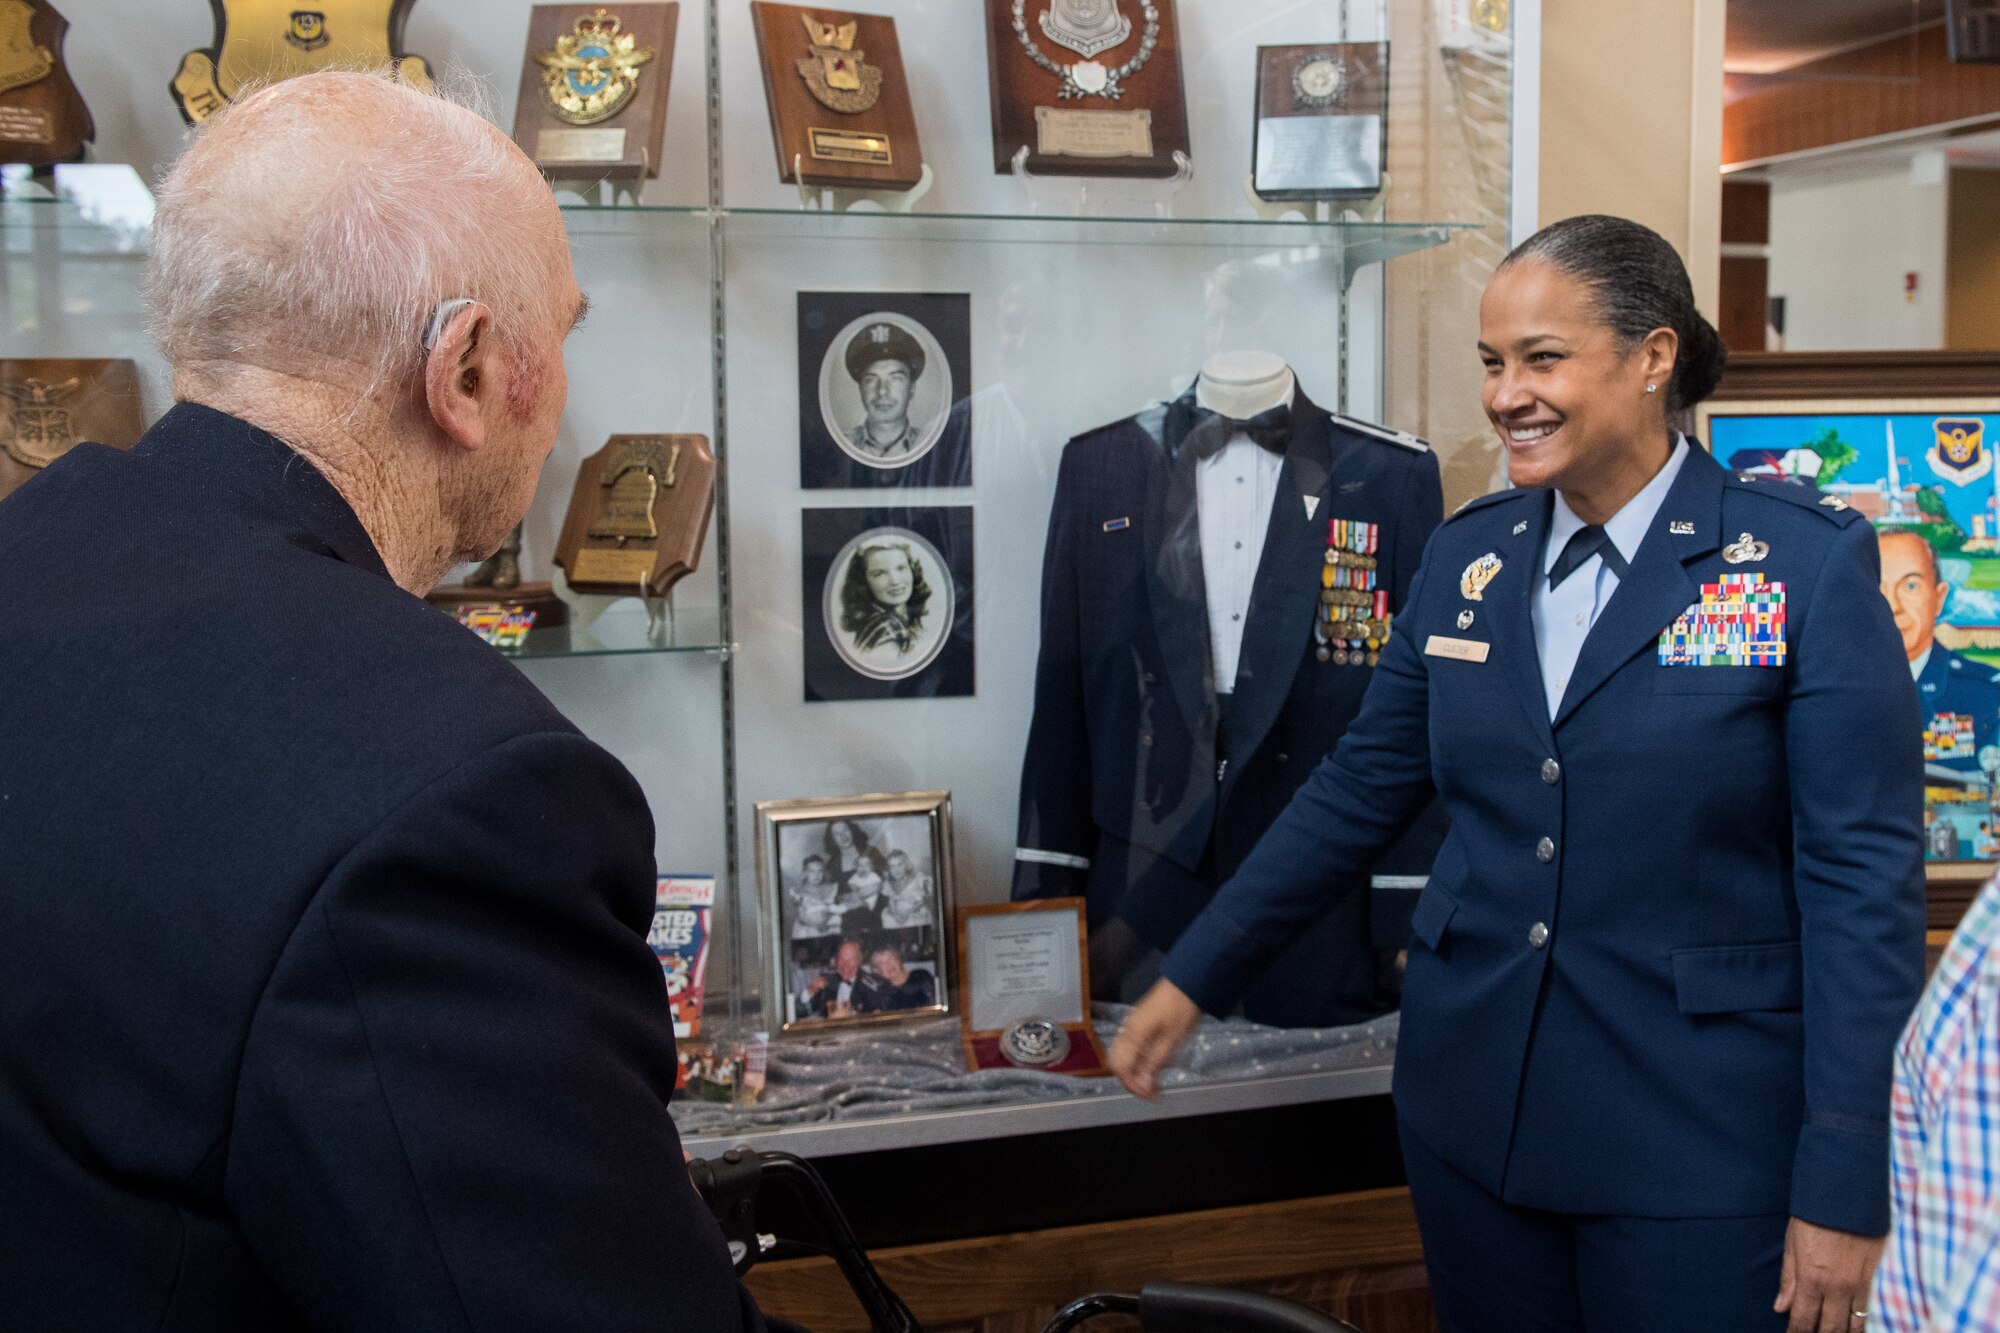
(623, 629)
(1377, 240)
(95, 208)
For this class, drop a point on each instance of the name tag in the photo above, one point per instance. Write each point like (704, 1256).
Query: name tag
(1460, 650)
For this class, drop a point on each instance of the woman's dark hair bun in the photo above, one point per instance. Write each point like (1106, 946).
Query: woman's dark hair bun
(1640, 285)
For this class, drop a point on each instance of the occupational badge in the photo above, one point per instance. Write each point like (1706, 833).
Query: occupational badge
(1745, 549)
(258, 41)
(1088, 27)
(1472, 583)
(593, 71)
(1739, 621)
(837, 75)
(23, 60)
(43, 425)
(1319, 83)
(1960, 455)
(1034, 1043)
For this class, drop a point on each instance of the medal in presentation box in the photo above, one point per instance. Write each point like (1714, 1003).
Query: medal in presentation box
(1024, 973)
(638, 515)
(42, 116)
(840, 106)
(1322, 125)
(1088, 87)
(593, 99)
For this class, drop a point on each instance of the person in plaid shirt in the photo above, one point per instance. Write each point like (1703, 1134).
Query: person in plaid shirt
(1941, 1269)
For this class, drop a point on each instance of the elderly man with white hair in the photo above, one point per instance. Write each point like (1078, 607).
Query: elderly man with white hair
(324, 994)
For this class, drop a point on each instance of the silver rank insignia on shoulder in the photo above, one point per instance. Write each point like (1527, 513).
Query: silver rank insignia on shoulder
(1477, 575)
(1680, 527)
(1465, 619)
(1834, 502)
(1745, 549)
(1520, 527)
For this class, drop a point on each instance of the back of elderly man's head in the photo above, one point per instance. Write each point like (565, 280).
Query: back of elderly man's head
(314, 226)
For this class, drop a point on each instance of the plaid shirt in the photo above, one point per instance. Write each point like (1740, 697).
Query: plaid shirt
(1941, 1270)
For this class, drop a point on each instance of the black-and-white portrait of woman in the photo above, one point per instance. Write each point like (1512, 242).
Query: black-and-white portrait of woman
(885, 389)
(891, 593)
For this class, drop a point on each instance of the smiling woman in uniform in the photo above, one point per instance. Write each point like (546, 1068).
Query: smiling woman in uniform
(1642, 1079)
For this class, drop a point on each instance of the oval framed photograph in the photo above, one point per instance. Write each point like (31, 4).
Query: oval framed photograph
(885, 390)
(888, 603)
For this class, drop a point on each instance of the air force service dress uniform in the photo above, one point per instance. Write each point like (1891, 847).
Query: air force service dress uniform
(1674, 930)
(1961, 710)
(1126, 795)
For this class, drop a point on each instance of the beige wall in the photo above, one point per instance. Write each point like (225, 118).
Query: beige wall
(1632, 120)
(1972, 263)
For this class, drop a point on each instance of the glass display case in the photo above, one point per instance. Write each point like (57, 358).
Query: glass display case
(728, 303)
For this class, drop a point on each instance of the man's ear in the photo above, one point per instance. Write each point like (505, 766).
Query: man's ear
(459, 378)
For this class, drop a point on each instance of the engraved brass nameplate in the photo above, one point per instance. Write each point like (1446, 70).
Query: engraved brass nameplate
(845, 146)
(1062, 133)
(630, 568)
(1461, 650)
(19, 124)
(580, 146)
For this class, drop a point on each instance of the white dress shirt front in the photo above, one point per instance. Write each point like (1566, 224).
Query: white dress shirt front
(1234, 489)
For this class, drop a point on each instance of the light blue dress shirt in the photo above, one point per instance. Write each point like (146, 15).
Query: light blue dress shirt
(1564, 616)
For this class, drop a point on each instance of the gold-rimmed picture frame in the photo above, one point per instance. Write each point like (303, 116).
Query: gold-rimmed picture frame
(858, 894)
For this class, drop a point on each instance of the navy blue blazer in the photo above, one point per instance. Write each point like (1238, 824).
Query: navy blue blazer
(1124, 798)
(1670, 940)
(325, 1000)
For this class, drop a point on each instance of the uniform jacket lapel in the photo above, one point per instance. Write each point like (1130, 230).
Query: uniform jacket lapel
(1659, 587)
(1286, 590)
(1509, 613)
(1174, 584)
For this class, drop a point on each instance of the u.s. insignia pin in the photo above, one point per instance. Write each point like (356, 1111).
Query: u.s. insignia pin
(1477, 575)
(1680, 527)
(593, 71)
(1745, 549)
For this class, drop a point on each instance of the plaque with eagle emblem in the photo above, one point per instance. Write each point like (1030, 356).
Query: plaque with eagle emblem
(639, 515)
(840, 105)
(264, 41)
(48, 407)
(42, 116)
(593, 100)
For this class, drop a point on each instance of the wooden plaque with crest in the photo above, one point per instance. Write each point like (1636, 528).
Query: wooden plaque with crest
(593, 101)
(48, 406)
(840, 104)
(1088, 87)
(42, 116)
(638, 515)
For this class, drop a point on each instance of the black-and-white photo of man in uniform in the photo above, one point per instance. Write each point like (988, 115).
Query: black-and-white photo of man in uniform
(885, 388)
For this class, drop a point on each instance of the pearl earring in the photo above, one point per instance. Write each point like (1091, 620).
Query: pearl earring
(1652, 388)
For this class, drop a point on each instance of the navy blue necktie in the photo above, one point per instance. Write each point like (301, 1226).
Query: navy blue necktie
(1583, 544)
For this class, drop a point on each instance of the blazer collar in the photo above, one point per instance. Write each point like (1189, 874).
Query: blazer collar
(226, 455)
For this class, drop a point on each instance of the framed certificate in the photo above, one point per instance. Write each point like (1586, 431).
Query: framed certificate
(1322, 124)
(1025, 988)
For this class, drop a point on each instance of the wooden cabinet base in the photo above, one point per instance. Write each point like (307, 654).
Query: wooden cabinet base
(1353, 1255)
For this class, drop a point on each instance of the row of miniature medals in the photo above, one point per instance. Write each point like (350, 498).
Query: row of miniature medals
(1353, 621)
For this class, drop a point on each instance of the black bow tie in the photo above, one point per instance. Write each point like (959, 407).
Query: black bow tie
(1271, 429)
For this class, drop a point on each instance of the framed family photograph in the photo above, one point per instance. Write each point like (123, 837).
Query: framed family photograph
(1920, 469)
(885, 390)
(887, 603)
(857, 894)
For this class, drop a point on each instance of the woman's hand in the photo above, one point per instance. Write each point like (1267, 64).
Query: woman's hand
(1826, 1277)
(1158, 1026)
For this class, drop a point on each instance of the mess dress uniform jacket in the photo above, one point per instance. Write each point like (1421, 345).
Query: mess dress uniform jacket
(1124, 797)
(325, 1000)
(1671, 937)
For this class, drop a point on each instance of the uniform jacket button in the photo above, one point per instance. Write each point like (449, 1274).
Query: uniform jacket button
(1545, 850)
(1538, 935)
(1551, 772)
(1281, 758)
(1150, 678)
